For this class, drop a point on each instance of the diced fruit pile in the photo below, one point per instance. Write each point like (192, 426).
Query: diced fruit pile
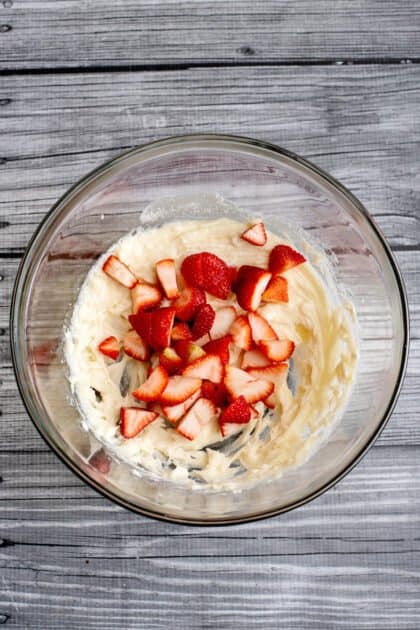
(204, 364)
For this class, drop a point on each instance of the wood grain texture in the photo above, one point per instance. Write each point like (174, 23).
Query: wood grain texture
(70, 33)
(68, 557)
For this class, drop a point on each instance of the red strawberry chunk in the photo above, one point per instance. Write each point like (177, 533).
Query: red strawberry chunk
(260, 328)
(208, 272)
(284, 257)
(254, 359)
(133, 420)
(100, 461)
(118, 271)
(203, 320)
(209, 367)
(238, 412)
(110, 347)
(181, 332)
(134, 346)
(233, 274)
(219, 347)
(188, 302)
(277, 290)
(222, 322)
(174, 412)
(170, 360)
(277, 349)
(276, 373)
(250, 285)
(154, 327)
(178, 389)
(216, 392)
(238, 382)
(144, 296)
(200, 414)
(153, 387)
(255, 234)
(166, 273)
(188, 351)
(241, 333)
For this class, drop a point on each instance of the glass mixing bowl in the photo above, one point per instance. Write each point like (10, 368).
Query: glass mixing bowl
(261, 179)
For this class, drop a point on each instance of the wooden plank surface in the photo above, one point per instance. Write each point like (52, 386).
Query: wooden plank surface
(68, 557)
(70, 33)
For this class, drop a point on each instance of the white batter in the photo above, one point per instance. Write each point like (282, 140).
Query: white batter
(323, 366)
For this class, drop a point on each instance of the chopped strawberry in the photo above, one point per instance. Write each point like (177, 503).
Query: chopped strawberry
(117, 270)
(222, 322)
(154, 327)
(144, 296)
(153, 387)
(254, 413)
(110, 347)
(178, 389)
(219, 347)
(203, 321)
(188, 351)
(216, 392)
(188, 302)
(277, 290)
(134, 346)
(174, 412)
(181, 332)
(284, 257)
(250, 285)
(276, 373)
(233, 274)
(170, 360)
(277, 349)
(260, 328)
(270, 401)
(208, 272)
(198, 416)
(100, 461)
(209, 367)
(133, 420)
(166, 273)
(255, 234)
(238, 382)
(254, 359)
(238, 412)
(241, 333)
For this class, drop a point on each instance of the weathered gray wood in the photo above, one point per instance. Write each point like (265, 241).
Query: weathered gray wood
(72, 33)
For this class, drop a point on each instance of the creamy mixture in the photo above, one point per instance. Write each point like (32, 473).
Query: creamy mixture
(321, 373)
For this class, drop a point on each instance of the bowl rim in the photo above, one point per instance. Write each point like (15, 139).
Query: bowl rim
(17, 304)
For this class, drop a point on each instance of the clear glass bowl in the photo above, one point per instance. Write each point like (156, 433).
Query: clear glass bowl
(259, 178)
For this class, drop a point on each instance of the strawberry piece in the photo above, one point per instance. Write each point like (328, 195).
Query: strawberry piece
(238, 412)
(154, 327)
(188, 351)
(254, 359)
(209, 367)
(208, 272)
(144, 296)
(188, 302)
(255, 234)
(100, 461)
(153, 386)
(277, 290)
(133, 420)
(166, 273)
(219, 347)
(222, 322)
(216, 392)
(174, 412)
(250, 285)
(277, 349)
(284, 257)
(178, 389)
(198, 416)
(233, 274)
(118, 271)
(260, 328)
(134, 346)
(241, 333)
(270, 401)
(181, 332)
(170, 360)
(110, 347)
(203, 321)
(276, 373)
(238, 382)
